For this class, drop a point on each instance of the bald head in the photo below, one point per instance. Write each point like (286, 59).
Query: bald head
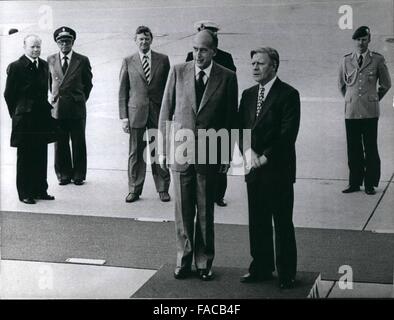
(204, 48)
(32, 46)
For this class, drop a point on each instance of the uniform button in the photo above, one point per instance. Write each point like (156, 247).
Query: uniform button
(359, 88)
(361, 74)
(359, 95)
(359, 80)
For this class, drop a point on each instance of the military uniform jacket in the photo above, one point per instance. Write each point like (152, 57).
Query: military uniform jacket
(71, 90)
(363, 87)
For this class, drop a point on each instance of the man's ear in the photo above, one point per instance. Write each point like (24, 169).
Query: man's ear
(215, 51)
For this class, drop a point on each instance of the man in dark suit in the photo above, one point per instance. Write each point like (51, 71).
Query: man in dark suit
(26, 94)
(199, 95)
(271, 110)
(226, 60)
(143, 78)
(70, 85)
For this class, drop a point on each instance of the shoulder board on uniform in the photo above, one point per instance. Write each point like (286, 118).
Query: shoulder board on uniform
(374, 52)
(348, 54)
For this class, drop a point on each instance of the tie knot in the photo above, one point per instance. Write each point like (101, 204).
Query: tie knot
(145, 57)
(65, 58)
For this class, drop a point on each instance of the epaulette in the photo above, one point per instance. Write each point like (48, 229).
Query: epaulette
(348, 54)
(376, 53)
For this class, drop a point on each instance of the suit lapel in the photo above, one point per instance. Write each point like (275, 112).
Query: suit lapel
(138, 65)
(74, 63)
(58, 68)
(212, 84)
(268, 102)
(190, 83)
(252, 104)
(154, 64)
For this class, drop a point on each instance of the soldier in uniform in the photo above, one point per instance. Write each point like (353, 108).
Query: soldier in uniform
(363, 81)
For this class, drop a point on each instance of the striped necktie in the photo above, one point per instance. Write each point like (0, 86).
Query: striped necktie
(146, 67)
(260, 101)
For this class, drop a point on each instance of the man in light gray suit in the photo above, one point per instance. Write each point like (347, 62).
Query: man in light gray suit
(70, 85)
(143, 78)
(200, 95)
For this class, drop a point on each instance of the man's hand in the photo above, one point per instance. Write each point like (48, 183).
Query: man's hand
(253, 160)
(223, 168)
(125, 125)
(163, 162)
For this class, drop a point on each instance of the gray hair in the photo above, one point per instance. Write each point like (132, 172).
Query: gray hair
(32, 36)
(271, 52)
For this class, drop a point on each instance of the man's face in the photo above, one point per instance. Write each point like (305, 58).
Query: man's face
(65, 45)
(32, 47)
(361, 44)
(143, 41)
(263, 69)
(203, 51)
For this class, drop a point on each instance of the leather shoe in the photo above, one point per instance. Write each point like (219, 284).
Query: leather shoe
(252, 277)
(28, 200)
(182, 273)
(63, 182)
(287, 284)
(44, 196)
(351, 189)
(221, 203)
(78, 182)
(370, 190)
(131, 197)
(205, 274)
(164, 196)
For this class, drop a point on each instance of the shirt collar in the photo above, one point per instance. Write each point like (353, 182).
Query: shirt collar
(207, 70)
(363, 54)
(68, 55)
(31, 59)
(268, 86)
(149, 54)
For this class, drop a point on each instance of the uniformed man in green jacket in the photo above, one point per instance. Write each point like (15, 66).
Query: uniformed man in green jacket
(363, 81)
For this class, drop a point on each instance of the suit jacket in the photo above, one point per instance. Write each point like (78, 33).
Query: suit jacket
(274, 132)
(26, 94)
(137, 98)
(70, 91)
(217, 110)
(359, 85)
(222, 57)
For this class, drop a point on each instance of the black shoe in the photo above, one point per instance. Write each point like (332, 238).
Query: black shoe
(164, 196)
(63, 182)
(28, 200)
(370, 190)
(351, 189)
(78, 182)
(221, 203)
(131, 197)
(252, 277)
(205, 274)
(287, 284)
(182, 273)
(44, 196)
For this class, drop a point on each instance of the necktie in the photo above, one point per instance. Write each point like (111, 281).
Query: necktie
(200, 87)
(260, 100)
(360, 61)
(35, 62)
(65, 64)
(146, 67)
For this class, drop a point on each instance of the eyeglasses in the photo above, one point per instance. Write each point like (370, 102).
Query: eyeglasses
(64, 41)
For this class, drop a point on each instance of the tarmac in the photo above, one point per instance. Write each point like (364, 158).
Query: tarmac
(310, 43)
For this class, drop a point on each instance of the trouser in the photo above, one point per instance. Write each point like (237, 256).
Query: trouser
(194, 218)
(71, 163)
(362, 151)
(266, 202)
(137, 164)
(220, 186)
(31, 170)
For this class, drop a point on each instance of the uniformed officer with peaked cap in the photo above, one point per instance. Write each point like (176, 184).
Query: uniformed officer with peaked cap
(64, 32)
(363, 81)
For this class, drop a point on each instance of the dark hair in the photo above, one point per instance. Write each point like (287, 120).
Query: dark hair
(271, 52)
(214, 37)
(144, 30)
